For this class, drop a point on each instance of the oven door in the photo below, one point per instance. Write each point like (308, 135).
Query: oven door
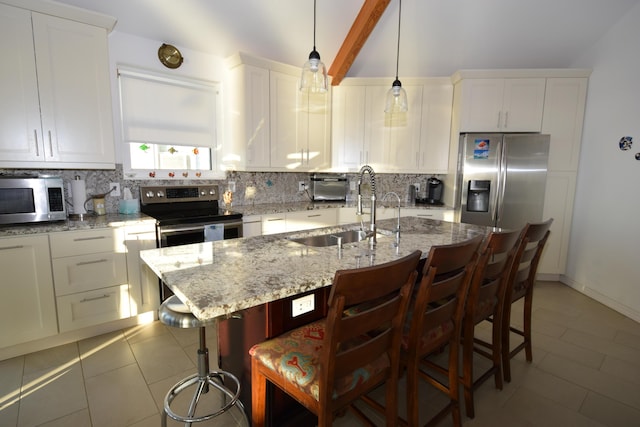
(183, 234)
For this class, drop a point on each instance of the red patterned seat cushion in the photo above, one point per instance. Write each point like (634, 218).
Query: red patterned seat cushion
(295, 356)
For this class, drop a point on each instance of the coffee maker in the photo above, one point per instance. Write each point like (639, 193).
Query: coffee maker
(433, 193)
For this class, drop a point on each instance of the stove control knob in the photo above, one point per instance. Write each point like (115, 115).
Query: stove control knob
(160, 194)
(212, 192)
(149, 194)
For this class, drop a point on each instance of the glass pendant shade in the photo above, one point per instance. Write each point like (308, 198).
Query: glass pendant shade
(396, 101)
(314, 74)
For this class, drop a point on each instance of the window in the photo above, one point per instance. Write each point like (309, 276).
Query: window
(170, 126)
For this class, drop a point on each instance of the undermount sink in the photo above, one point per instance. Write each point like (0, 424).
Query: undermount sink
(331, 239)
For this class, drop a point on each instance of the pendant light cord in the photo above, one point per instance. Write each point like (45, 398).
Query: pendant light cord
(398, 49)
(314, 24)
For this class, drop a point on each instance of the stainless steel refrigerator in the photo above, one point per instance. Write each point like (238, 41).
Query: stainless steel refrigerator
(502, 179)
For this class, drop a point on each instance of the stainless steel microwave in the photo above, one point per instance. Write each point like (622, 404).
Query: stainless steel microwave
(26, 199)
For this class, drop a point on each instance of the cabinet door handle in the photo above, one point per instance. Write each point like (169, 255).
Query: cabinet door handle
(506, 120)
(81, 239)
(313, 216)
(98, 261)
(35, 135)
(499, 117)
(275, 219)
(7, 248)
(50, 144)
(95, 298)
(425, 215)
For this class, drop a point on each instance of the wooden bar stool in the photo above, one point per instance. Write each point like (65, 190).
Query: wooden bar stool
(329, 364)
(172, 312)
(486, 302)
(521, 280)
(434, 323)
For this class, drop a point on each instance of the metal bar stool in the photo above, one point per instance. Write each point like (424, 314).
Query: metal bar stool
(172, 312)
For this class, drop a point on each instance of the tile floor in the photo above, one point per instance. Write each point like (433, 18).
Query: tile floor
(585, 372)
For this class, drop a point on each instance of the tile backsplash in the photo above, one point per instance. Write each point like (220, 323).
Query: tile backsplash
(251, 187)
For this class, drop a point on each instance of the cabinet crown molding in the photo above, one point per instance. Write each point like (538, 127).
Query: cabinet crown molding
(519, 73)
(60, 10)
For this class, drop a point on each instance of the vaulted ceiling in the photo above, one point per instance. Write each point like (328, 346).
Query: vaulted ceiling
(437, 38)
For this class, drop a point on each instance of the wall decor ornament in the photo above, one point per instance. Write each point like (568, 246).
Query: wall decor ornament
(625, 143)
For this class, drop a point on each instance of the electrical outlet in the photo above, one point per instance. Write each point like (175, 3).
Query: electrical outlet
(232, 186)
(417, 187)
(302, 186)
(116, 192)
(302, 305)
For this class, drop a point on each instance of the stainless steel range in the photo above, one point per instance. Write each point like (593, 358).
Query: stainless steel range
(183, 213)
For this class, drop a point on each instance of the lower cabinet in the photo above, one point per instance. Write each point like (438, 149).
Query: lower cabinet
(251, 225)
(90, 277)
(306, 220)
(144, 287)
(440, 214)
(27, 306)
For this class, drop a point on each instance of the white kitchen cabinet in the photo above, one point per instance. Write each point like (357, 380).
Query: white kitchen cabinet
(55, 111)
(413, 142)
(90, 277)
(306, 220)
(27, 306)
(274, 223)
(251, 225)
(564, 106)
(144, 287)
(501, 104)
(273, 126)
(558, 204)
(439, 214)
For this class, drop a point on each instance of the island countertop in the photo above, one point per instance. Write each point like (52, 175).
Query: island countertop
(219, 278)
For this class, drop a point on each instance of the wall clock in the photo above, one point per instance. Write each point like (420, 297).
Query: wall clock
(170, 56)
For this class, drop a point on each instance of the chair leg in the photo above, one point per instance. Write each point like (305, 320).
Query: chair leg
(495, 350)
(412, 393)
(506, 357)
(453, 384)
(467, 371)
(528, 307)
(258, 396)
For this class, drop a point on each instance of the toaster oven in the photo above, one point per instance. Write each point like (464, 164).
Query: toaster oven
(328, 187)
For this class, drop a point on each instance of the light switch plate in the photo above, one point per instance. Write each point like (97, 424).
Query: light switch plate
(302, 305)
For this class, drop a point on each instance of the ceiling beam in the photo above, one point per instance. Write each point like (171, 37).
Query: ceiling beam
(365, 22)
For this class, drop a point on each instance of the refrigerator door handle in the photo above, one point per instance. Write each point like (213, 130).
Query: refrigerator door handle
(502, 184)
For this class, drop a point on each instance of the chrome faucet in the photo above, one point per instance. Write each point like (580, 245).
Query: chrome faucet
(397, 230)
(371, 234)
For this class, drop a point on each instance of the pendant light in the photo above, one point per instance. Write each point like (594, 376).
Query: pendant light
(396, 96)
(314, 73)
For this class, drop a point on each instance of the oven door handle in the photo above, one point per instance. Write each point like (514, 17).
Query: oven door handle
(195, 227)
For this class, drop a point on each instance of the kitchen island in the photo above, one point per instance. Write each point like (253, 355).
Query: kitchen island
(264, 277)
(216, 279)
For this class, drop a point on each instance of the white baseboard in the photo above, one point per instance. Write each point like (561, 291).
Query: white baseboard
(603, 299)
(76, 335)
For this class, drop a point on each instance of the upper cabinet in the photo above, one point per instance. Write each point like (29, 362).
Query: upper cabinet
(563, 117)
(413, 142)
(502, 104)
(55, 111)
(272, 125)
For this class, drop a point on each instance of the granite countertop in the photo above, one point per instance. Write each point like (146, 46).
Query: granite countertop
(90, 222)
(219, 278)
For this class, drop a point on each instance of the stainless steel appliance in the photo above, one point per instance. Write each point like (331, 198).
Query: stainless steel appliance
(328, 187)
(186, 214)
(502, 179)
(30, 198)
